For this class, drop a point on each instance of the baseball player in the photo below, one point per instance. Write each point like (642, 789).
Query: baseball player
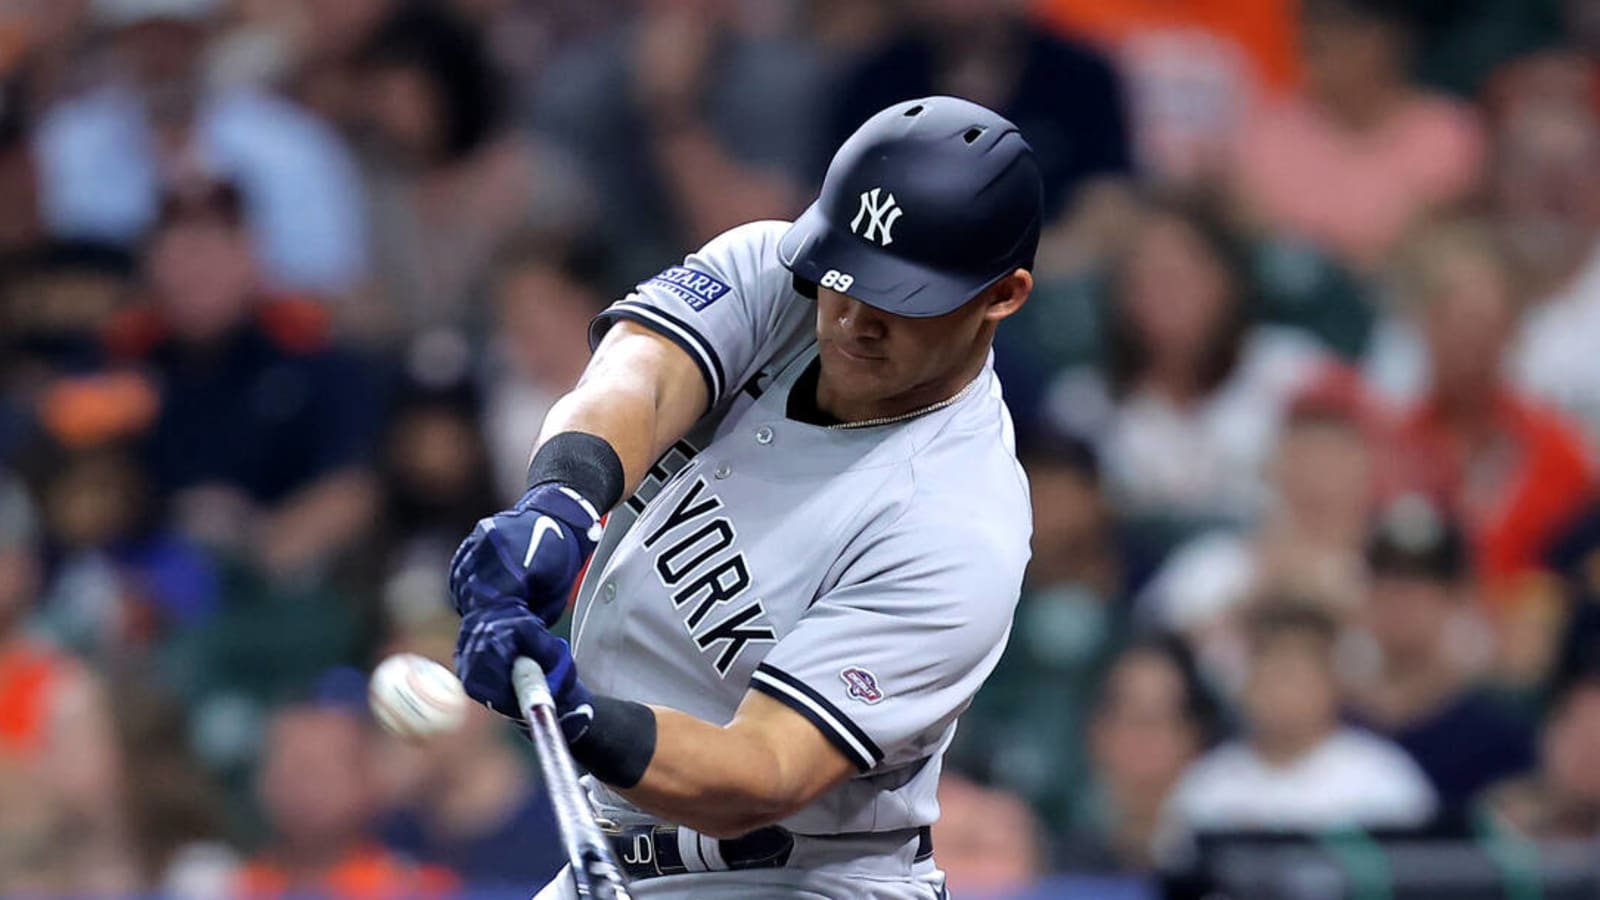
(817, 529)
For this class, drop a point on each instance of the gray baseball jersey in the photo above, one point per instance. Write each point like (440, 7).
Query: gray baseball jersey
(864, 577)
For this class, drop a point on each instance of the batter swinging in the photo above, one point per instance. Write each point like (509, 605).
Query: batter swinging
(823, 536)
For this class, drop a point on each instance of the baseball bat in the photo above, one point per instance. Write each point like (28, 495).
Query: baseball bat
(594, 868)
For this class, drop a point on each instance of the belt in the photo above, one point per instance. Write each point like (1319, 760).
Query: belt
(651, 851)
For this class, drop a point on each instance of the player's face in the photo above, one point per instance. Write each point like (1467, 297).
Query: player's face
(879, 364)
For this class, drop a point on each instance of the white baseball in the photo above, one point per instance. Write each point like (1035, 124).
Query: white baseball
(414, 697)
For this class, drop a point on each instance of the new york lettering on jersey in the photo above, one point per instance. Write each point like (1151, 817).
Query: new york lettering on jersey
(703, 571)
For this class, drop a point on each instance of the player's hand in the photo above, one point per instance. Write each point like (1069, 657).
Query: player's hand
(530, 555)
(488, 645)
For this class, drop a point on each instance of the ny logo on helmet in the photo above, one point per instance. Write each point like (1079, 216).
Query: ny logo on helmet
(880, 217)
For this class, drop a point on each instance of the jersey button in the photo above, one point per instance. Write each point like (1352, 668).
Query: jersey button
(764, 435)
(723, 470)
(608, 592)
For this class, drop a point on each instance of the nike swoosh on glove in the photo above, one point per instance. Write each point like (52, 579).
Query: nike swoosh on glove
(488, 645)
(528, 555)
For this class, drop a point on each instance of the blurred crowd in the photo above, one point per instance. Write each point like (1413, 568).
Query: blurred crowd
(1308, 394)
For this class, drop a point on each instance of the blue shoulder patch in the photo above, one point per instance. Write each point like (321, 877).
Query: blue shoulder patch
(697, 289)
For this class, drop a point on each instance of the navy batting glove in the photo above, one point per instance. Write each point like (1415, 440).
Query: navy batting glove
(488, 645)
(529, 555)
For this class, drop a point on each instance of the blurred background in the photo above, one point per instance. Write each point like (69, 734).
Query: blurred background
(1309, 396)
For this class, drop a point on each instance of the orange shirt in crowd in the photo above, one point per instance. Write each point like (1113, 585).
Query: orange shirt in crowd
(1193, 71)
(1516, 494)
(29, 674)
(369, 873)
(1266, 30)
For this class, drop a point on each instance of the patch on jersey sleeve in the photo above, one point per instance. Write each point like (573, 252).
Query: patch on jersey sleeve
(697, 288)
(863, 685)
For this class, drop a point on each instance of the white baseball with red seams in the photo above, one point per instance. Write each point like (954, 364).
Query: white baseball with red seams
(414, 697)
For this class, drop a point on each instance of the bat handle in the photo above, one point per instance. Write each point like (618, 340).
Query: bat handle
(594, 868)
(532, 690)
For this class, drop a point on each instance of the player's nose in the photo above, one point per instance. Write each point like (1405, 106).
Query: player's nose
(860, 321)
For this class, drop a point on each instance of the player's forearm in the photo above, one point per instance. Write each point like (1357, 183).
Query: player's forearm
(719, 781)
(639, 393)
(624, 418)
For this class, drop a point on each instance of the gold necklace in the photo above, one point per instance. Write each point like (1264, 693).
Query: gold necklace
(890, 420)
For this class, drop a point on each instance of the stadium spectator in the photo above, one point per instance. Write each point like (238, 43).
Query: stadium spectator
(1297, 768)
(104, 156)
(1064, 96)
(435, 467)
(988, 840)
(122, 581)
(1183, 367)
(39, 43)
(262, 440)
(1155, 717)
(468, 802)
(64, 830)
(325, 40)
(690, 119)
(1261, 36)
(436, 480)
(1425, 695)
(542, 307)
(1359, 156)
(176, 811)
(449, 183)
(1194, 72)
(1323, 477)
(1514, 471)
(1545, 208)
(54, 301)
(1547, 194)
(1069, 622)
(1562, 799)
(317, 791)
(56, 298)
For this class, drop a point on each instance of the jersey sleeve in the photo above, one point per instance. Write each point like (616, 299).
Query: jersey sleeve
(884, 662)
(721, 306)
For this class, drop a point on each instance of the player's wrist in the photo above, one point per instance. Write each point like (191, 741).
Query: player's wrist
(618, 743)
(584, 463)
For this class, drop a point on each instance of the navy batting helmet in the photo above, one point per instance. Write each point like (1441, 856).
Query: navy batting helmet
(927, 204)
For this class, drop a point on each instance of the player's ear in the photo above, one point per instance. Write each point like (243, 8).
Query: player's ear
(1007, 295)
